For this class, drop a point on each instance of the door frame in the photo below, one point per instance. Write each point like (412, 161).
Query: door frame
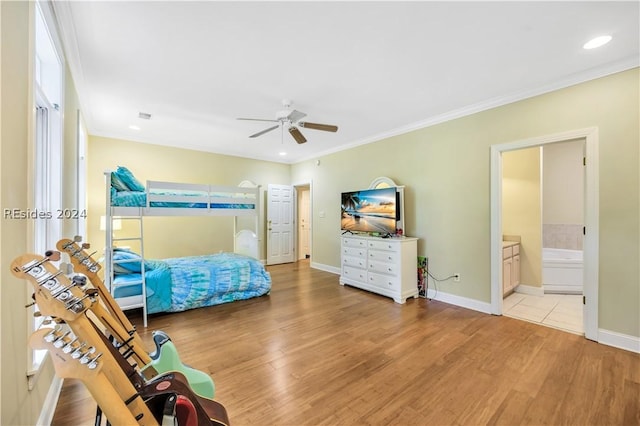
(296, 187)
(591, 219)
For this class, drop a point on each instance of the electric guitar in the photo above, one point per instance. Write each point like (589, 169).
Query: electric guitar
(165, 358)
(75, 359)
(61, 298)
(128, 393)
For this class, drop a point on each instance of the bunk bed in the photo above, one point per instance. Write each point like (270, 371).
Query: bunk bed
(178, 284)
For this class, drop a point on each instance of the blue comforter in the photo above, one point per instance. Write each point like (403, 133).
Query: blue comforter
(184, 283)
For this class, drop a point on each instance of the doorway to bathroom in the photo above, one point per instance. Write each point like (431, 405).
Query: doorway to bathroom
(519, 216)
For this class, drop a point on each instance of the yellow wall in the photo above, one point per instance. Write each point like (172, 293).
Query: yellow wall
(521, 209)
(175, 236)
(446, 169)
(563, 183)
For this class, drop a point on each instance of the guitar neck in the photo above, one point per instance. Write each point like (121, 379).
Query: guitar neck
(113, 370)
(115, 328)
(79, 359)
(121, 328)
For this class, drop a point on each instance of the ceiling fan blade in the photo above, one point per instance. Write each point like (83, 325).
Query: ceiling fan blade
(317, 126)
(295, 116)
(299, 137)
(262, 132)
(256, 119)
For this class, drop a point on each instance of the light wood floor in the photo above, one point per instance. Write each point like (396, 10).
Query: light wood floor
(317, 353)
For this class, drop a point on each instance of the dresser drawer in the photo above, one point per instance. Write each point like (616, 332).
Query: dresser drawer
(353, 242)
(354, 273)
(356, 262)
(383, 281)
(382, 245)
(354, 251)
(384, 256)
(383, 267)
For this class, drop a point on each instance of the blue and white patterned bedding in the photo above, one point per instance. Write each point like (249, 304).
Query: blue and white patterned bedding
(139, 199)
(184, 283)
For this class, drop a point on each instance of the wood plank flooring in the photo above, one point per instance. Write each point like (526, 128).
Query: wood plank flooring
(316, 353)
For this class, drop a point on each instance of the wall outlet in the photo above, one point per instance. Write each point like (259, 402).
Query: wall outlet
(456, 277)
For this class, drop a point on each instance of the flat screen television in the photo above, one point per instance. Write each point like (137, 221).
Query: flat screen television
(370, 210)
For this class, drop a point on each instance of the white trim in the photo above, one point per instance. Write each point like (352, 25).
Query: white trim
(50, 402)
(530, 290)
(591, 220)
(463, 302)
(326, 268)
(619, 340)
(572, 80)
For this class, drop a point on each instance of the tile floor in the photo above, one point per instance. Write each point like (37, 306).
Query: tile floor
(562, 311)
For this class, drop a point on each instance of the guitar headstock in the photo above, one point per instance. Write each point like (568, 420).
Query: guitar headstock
(71, 357)
(81, 260)
(55, 294)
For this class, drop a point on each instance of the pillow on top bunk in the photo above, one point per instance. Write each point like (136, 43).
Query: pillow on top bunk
(123, 180)
(117, 183)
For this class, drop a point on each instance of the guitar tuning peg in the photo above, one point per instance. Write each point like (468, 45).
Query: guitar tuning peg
(86, 245)
(47, 321)
(77, 238)
(79, 280)
(36, 314)
(29, 305)
(52, 255)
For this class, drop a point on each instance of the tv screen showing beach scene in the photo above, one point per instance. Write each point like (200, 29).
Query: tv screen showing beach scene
(369, 210)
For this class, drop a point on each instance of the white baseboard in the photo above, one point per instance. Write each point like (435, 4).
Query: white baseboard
(530, 290)
(50, 402)
(619, 340)
(326, 268)
(461, 301)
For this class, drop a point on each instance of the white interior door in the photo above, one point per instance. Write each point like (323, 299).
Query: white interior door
(304, 224)
(280, 222)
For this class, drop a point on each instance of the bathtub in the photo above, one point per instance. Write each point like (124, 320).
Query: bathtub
(562, 270)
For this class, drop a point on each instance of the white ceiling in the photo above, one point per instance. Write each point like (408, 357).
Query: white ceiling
(373, 68)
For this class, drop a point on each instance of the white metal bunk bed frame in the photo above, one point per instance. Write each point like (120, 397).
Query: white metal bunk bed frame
(158, 191)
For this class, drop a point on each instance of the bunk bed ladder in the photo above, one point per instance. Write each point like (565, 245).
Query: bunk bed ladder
(134, 301)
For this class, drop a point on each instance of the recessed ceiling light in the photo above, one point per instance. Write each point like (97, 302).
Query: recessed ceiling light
(132, 127)
(597, 42)
(282, 154)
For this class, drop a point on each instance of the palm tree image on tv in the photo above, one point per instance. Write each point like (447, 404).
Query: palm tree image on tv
(371, 210)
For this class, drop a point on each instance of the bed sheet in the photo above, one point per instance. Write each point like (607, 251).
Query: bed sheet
(179, 284)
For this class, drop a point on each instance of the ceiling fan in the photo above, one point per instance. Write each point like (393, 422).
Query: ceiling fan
(291, 119)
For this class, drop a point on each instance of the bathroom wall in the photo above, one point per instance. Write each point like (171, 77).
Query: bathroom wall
(521, 212)
(563, 195)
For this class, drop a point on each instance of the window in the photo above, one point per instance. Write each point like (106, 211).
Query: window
(47, 171)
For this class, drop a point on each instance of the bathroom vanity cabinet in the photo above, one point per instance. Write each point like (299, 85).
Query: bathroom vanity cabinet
(510, 266)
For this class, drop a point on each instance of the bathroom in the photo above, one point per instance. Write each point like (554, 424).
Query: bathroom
(543, 208)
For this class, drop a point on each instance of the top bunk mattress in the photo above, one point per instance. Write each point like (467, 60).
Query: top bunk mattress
(126, 195)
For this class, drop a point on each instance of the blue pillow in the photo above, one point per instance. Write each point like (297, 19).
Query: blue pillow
(117, 183)
(134, 264)
(129, 179)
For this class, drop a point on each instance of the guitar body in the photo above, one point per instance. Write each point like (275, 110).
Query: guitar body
(208, 411)
(165, 359)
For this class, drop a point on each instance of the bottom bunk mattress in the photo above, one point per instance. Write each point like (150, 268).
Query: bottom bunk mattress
(183, 283)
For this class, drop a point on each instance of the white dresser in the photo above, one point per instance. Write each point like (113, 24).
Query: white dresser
(386, 266)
